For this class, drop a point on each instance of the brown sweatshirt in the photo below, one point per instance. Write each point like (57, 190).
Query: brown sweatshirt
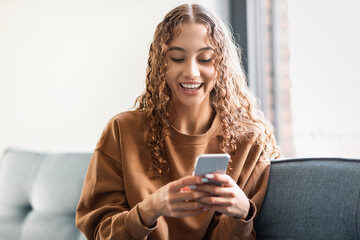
(118, 179)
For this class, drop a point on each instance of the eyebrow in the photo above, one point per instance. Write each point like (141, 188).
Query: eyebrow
(183, 50)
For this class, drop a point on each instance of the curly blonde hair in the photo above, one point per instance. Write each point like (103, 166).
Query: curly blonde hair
(230, 96)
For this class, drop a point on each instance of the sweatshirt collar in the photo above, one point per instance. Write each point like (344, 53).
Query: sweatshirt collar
(195, 139)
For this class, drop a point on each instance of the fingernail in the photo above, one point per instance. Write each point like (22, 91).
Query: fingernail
(204, 180)
(192, 187)
(209, 175)
(184, 189)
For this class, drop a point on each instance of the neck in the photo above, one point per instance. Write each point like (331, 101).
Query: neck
(193, 120)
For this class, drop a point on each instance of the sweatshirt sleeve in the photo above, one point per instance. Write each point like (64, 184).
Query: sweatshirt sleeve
(253, 181)
(103, 211)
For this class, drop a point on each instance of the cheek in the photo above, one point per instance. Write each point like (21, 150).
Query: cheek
(170, 79)
(170, 74)
(215, 74)
(211, 74)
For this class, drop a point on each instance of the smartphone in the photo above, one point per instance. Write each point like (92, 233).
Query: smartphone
(211, 163)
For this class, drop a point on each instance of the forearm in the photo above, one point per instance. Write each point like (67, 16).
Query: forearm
(234, 228)
(147, 212)
(221, 232)
(125, 225)
(113, 225)
(103, 211)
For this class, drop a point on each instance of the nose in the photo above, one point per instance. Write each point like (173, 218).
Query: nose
(191, 69)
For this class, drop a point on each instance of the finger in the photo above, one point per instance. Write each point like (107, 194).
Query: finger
(226, 192)
(186, 206)
(216, 201)
(228, 211)
(222, 209)
(189, 213)
(224, 179)
(177, 185)
(188, 195)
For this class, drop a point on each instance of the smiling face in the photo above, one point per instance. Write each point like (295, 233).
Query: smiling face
(191, 71)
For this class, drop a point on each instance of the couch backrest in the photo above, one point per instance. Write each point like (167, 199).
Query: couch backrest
(311, 199)
(39, 193)
(306, 198)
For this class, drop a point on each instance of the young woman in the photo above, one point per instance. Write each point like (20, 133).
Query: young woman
(139, 183)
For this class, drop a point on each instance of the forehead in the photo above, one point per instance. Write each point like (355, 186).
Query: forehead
(190, 35)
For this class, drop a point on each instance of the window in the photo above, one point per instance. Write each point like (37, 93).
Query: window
(267, 58)
(302, 61)
(325, 76)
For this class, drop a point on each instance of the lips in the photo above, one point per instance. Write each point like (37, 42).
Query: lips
(191, 86)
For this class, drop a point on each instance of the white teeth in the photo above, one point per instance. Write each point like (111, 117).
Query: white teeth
(190, 86)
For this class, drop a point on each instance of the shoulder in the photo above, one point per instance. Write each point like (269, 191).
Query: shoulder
(260, 137)
(127, 125)
(129, 120)
(130, 115)
(252, 131)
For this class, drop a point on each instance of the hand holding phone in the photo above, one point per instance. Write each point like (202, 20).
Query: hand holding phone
(211, 163)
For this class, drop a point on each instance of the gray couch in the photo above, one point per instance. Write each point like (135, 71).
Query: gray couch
(315, 198)
(306, 198)
(39, 193)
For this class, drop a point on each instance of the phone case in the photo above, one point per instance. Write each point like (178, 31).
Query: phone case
(211, 163)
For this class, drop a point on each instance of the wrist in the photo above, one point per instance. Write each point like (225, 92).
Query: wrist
(245, 214)
(147, 213)
(251, 212)
(248, 212)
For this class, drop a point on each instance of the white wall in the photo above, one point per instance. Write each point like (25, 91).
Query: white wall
(324, 39)
(67, 67)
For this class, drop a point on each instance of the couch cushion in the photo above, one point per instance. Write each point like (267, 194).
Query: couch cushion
(39, 193)
(311, 199)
